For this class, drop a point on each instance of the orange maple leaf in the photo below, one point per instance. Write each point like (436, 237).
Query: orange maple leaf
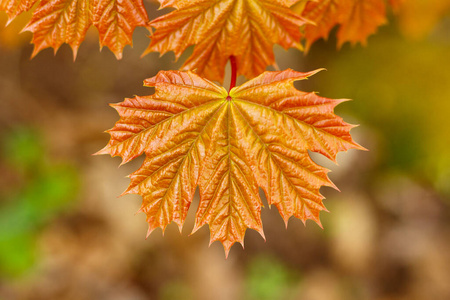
(245, 29)
(357, 19)
(55, 22)
(194, 132)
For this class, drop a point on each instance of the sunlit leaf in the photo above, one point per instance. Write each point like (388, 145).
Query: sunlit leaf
(194, 132)
(245, 29)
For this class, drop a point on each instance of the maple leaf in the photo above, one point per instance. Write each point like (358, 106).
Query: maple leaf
(357, 19)
(194, 132)
(245, 29)
(55, 22)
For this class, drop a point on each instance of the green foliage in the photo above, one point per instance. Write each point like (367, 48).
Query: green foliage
(268, 279)
(45, 190)
(176, 290)
(402, 90)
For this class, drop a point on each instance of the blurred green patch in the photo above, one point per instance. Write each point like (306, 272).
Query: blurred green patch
(269, 279)
(34, 190)
(176, 290)
(401, 90)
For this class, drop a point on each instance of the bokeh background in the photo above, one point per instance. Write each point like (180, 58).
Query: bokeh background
(64, 234)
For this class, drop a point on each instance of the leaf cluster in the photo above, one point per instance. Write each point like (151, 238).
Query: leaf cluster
(218, 29)
(194, 132)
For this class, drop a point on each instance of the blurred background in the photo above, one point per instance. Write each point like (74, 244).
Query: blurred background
(64, 233)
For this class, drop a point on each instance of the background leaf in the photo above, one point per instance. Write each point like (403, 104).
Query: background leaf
(246, 29)
(55, 22)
